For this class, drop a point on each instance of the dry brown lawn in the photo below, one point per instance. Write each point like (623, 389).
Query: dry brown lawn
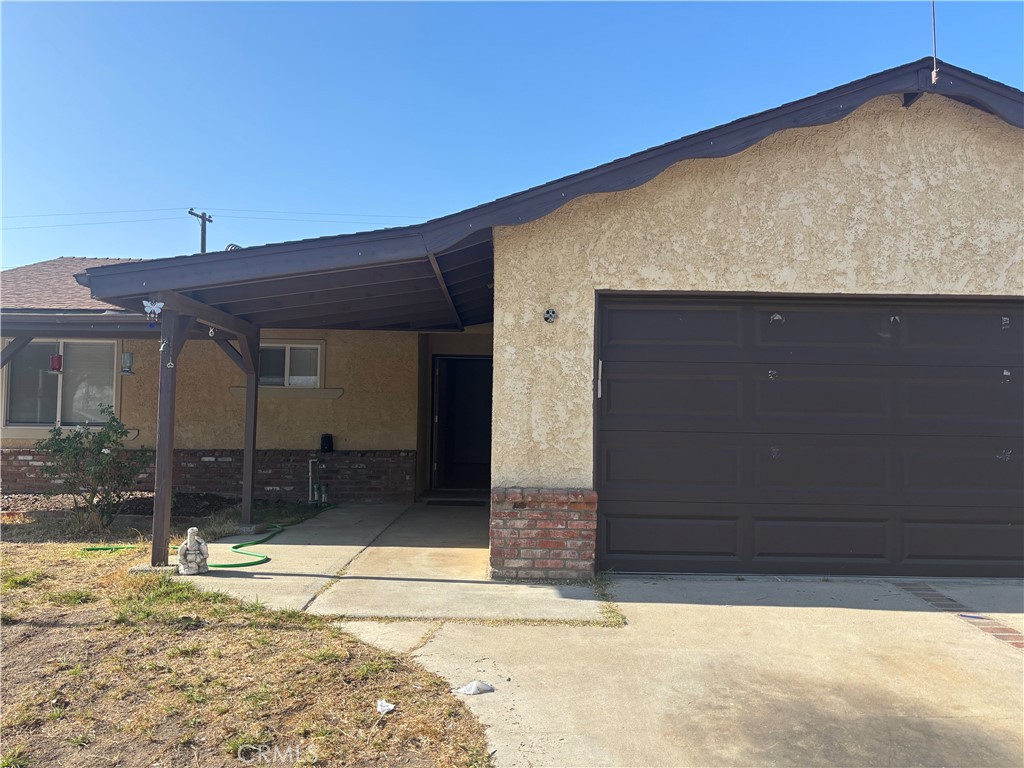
(105, 668)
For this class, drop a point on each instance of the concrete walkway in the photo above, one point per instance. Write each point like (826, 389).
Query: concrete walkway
(393, 561)
(303, 559)
(433, 563)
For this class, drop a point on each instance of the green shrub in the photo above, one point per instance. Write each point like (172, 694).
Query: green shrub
(93, 467)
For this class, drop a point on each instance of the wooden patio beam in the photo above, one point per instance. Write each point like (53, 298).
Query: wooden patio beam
(249, 349)
(233, 354)
(444, 289)
(181, 332)
(212, 316)
(13, 347)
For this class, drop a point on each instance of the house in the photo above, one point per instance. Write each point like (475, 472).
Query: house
(790, 344)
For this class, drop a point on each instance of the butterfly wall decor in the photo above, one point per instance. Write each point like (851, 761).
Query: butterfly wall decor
(153, 309)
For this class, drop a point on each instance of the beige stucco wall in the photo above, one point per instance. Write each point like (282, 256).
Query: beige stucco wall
(377, 410)
(926, 200)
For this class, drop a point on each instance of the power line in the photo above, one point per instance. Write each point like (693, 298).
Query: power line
(178, 218)
(308, 213)
(85, 213)
(210, 208)
(92, 223)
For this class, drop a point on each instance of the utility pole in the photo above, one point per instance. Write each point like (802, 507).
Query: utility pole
(203, 221)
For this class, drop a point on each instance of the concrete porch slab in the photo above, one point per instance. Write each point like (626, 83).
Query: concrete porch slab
(303, 558)
(432, 563)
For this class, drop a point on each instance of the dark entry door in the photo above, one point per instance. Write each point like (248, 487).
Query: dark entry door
(462, 423)
(811, 436)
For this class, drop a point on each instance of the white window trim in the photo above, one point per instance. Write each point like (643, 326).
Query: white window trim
(41, 431)
(287, 345)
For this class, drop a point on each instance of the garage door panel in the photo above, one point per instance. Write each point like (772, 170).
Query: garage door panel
(978, 400)
(933, 541)
(811, 469)
(805, 470)
(820, 539)
(670, 330)
(812, 332)
(981, 334)
(671, 465)
(989, 471)
(687, 397)
(690, 536)
(822, 398)
(813, 329)
(838, 539)
(825, 399)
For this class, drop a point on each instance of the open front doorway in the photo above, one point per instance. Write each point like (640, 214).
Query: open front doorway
(461, 438)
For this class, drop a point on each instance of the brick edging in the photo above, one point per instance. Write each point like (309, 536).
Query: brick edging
(946, 604)
(543, 533)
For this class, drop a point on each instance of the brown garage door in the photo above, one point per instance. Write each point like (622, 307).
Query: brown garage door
(811, 436)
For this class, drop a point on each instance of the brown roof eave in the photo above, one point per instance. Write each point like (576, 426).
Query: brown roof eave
(80, 325)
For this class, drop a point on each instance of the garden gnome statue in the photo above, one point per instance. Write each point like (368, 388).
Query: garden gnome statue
(193, 554)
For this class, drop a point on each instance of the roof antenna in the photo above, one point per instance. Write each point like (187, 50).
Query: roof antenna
(935, 54)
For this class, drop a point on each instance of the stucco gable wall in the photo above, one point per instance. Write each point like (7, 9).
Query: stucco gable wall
(926, 200)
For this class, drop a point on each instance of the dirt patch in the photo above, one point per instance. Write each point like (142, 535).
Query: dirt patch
(105, 668)
(139, 503)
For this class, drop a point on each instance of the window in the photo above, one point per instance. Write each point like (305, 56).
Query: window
(290, 365)
(36, 397)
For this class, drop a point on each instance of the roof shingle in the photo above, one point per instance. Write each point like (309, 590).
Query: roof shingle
(52, 285)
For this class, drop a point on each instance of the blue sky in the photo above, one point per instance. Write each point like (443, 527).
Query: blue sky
(390, 113)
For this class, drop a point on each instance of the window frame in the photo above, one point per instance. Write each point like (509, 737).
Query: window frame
(287, 345)
(31, 431)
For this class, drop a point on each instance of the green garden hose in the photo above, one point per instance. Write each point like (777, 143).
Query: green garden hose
(259, 559)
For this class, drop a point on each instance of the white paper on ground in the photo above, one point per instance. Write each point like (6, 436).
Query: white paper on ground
(475, 687)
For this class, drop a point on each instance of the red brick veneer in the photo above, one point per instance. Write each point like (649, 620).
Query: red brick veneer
(280, 474)
(543, 533)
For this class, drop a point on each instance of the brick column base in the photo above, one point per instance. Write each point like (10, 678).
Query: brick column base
(543, 533)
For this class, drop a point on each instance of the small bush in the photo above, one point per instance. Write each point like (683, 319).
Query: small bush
(93, 466)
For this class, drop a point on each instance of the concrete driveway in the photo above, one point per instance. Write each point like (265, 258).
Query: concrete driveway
(706, 671)
(758, 672)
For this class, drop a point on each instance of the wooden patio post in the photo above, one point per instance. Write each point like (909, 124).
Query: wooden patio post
(174, 331)
(251, 356)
